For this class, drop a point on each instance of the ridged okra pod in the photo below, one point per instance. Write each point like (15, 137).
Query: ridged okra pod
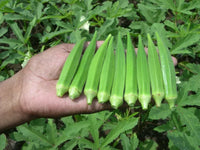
(131, 93)
(107, 74)
(143, 77)
(69, 68)
(94, 72)
(155, 72)
(79, 80)
(168, 72)
(116, 98)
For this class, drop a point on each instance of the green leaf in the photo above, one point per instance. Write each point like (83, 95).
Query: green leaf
(71, 131)
(14, 17)
(195, 68)
(17, 31)
(3, 31)
(29, 29)
(192, 100)
(31, 134)
(70, 145)
(121, 127)
(192, 123)
(180, 140)
(3, 3)
(51, 35)
(194, 82)
(3, 141)
(163, 128)
(185, 42)
(148, 144)
(161, 112)
(125, 142)
(4, 54)
(134, 142)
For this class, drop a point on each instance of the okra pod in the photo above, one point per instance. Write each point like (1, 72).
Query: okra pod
(107, 74)
(69, 68)
(143, 78)
(130, 95)
(94, 72)
(155, 73)
(168, 72)
(116, 98)
(79, 80)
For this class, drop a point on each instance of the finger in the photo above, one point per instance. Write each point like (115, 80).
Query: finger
(53, 106)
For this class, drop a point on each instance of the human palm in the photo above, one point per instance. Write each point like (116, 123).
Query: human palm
(39, 80)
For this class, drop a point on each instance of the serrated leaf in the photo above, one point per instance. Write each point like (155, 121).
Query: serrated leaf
(71, 131)
(31, 135)
(70, 145)
(51, 35)
(3, 31)
(184, 42)
(194, 82)
(192, 100)
(163, 128)
(148, 144)
(121, 127)
(18, 32)
(180, 140)
(3, 3)
(3, 141)
(192, 123)
(125, 142)
(194, 68)
(134, 142)
(161, 112)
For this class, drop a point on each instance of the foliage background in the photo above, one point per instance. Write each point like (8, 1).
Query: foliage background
(28, 27)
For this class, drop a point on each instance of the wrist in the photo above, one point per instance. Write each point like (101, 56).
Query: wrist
(11, 112)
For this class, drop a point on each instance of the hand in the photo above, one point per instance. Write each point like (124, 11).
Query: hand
(38, 96)
(31, 93)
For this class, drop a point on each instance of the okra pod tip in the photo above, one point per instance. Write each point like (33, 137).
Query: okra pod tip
(144, 100)
(90, 94)
(116, 101)
(103, 97)
(61, 90)
(73, 93)
(130, 99)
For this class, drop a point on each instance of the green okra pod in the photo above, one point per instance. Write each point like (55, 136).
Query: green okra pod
(155, 73)
(79, 80)
(94, 72)
(116, 98)
(131, 91)
(107, 74)
(69, 68)
(143, 77)
(168, 72)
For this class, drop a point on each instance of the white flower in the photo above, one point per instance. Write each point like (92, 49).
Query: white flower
(178, 80)
(86, 25)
